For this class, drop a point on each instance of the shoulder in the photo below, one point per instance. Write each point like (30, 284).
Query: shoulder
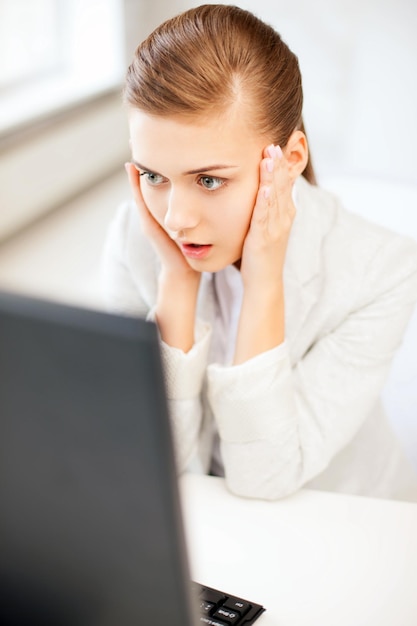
(124, 223)
(126, 240)
(345, 237)
(349, 278)
(129, 267)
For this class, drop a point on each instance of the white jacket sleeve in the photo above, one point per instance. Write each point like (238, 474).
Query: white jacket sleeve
(129, 284)
(120, 292)
(184, 376)
(280, 426)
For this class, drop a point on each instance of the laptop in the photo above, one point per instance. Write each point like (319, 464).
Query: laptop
(90, 523)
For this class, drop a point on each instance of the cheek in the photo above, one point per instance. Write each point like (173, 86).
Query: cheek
(241, 214)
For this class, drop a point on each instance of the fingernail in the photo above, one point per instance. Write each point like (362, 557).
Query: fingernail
(278, 152)
(270, 165)
(271, 151)
(127, 166)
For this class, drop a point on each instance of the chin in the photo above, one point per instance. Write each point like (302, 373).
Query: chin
(212, 266)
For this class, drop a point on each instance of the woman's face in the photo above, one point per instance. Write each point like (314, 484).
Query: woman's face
(199, 179)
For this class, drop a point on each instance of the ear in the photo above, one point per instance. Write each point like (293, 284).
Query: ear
(296, 153)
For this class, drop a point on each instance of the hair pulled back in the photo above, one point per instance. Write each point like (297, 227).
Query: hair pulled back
(212, 56)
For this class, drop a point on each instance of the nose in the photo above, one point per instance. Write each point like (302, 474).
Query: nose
(181, 212)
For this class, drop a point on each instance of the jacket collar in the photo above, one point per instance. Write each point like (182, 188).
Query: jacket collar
(304, 246)
(303, 265)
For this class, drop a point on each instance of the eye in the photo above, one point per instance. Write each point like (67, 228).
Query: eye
(153, 179)
(211, 183)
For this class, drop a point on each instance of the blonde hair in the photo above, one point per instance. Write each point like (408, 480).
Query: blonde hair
(206, 59)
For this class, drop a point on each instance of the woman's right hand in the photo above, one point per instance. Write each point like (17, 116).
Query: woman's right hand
(178, 283)
(171, 258)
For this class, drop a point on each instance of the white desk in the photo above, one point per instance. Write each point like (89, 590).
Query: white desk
(313, 559)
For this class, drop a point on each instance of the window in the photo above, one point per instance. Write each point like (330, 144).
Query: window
(54, 53)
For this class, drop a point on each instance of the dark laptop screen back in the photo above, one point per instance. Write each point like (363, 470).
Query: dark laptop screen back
(90, 524)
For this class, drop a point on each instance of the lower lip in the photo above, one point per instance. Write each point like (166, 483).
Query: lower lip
(195, 252)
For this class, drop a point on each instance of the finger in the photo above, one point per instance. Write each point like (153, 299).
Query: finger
(271, 169)
(134, 181)
(274, 160)
(261, 210)
(268, 165)
(274, 206)
(149, 225)
(278, 175)
(273, 151)
(268, 187)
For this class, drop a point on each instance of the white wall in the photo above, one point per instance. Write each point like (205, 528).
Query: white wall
(360, 84)
(358, 60)
(49, 164)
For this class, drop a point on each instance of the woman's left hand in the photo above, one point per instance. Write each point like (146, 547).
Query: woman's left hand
(265, 245)
(262, 317)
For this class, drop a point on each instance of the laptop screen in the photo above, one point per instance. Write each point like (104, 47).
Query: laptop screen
(90, 523)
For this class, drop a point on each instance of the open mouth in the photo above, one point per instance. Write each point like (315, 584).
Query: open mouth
(195, 250)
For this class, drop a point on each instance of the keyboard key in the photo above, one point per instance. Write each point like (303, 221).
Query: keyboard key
(211, 595)
(206, 607)
(220, 609)
(238, 605)
(227, 615)
(212, 621)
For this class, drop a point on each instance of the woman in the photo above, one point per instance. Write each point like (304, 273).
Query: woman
(279, 312)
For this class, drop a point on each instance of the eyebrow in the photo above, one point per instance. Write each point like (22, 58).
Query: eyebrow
(198, 170)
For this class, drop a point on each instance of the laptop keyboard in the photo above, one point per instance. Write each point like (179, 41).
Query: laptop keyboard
(221, 609)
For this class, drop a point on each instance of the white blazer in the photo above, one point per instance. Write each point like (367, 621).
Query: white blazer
(307, 413)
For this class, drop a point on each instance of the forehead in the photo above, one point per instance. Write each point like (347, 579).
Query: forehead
(213, 138)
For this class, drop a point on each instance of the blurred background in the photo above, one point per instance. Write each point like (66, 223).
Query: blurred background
(63, 132)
